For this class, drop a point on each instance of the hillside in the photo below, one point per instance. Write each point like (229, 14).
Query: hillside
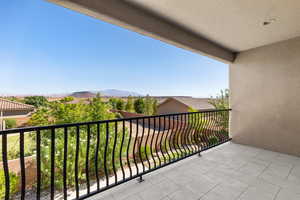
(109, 92)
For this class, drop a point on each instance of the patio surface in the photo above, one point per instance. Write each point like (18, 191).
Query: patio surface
(228, 172)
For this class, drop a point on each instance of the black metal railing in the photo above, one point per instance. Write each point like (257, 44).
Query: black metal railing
(82, 159)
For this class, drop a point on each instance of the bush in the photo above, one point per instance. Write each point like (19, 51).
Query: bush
(213, 140)
(36, 101)
(129, 107)
(67, 99)
(59, 154)
(145, 151)
(14, 184)
(60, 113)
(10, 123)
(139, 105)
(165, 147)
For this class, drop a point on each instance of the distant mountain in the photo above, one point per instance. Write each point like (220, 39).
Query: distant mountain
(118, 93)
(109, 92)
(83, 94)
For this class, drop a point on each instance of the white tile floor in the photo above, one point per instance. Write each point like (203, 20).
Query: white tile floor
(227, 172)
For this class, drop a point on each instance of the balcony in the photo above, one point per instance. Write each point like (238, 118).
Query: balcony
(227, 172)
(76, 161)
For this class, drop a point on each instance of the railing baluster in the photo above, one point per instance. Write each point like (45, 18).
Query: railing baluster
(5, 166)
(161, 140)
(22, 166)
(114, 151)
(157, 138)
(87, 156)
(210, 128)
(146, 143)
(38, 164)
(193, 132)
(167, 144)
(179, 139)
(52, 163)
(65, 162)
(153, 136)
(151, 145)
(134, 147)
(175, 136)
(121, 149)
(191, 127)
(105, 154)
(205, 129)
(216, 128)
(197, 137)
(170, 136)
(128, 147)
(76, 161)
(186, 133)
(140, 145)
(97, 156)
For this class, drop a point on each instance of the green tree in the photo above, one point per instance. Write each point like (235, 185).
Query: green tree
(148, 105)
(60, 113)
(113, 102)
(129, 105)
(67, 99)
(139, 105)
(120, 104)
(36, 101)
(221, 101)
(154, 106)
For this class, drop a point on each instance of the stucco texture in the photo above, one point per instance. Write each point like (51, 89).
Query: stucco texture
(265, 97)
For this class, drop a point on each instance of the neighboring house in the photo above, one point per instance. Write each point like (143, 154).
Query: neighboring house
(15, 110)
(183, 104)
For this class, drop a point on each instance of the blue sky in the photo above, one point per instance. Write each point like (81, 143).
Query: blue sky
(48, 49)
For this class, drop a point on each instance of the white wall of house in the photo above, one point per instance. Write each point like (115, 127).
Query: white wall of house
(265, 97)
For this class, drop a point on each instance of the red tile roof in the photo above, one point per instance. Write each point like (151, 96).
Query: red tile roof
(6, 105)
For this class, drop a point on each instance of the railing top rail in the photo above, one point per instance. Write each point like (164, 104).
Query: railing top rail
(35, 128)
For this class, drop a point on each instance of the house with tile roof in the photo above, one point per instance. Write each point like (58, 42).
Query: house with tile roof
(183, 104)
(12, 109)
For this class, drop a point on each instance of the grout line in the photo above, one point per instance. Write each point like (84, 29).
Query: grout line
(275, 197)
(209, 190)
(265, 169)
(238, 197)
(290, 171)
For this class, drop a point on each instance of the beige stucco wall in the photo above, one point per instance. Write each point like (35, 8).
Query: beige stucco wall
(172, 106)
(265, 97)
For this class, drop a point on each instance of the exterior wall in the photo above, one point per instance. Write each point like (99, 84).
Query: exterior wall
(265, 97)
(172, 106)
(15, 114)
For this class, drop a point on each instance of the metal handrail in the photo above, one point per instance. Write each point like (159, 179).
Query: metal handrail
(114, 151)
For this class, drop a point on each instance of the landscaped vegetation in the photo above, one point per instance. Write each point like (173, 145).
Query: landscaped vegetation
(113, 137)
(142, 105)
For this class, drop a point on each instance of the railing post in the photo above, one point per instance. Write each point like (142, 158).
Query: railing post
(140, 179)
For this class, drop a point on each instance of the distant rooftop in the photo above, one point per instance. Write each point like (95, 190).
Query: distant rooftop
(195, 103)
(7, 105)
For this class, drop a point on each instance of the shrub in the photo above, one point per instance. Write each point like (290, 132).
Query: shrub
(129, 105)
(139, 105)
(67, 99)
(213, 140)
(10, 123)
(145, 151)
(60, 113)
(36, 101)
(14, 184)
